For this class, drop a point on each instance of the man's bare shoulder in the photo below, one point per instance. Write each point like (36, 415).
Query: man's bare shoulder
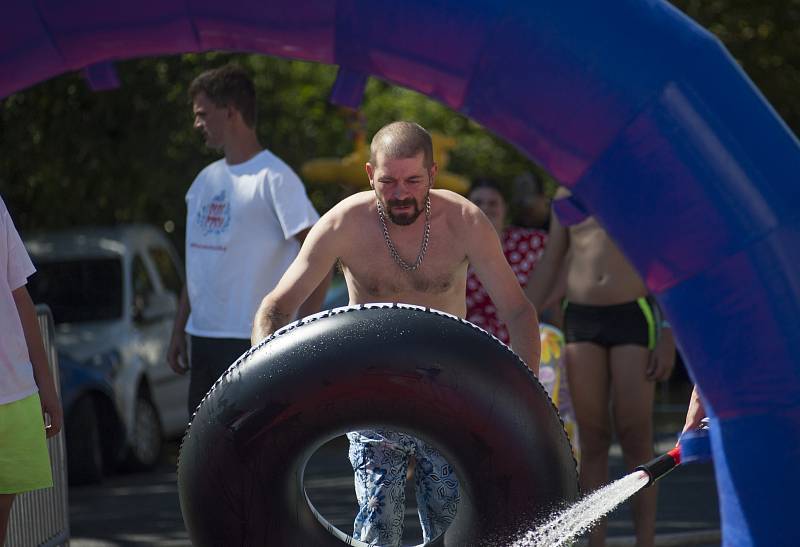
(459, 209)
(356, 203)
(349, 209)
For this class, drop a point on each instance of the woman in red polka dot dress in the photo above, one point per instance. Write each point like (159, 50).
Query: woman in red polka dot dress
(522, 246)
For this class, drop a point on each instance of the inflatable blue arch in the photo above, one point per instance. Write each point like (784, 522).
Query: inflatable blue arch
(641, 112)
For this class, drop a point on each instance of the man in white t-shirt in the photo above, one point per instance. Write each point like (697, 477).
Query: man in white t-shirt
(27, 390)
(247, 216)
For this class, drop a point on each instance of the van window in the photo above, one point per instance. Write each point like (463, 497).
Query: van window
(79, 290)
(142, 285)
(167, 270)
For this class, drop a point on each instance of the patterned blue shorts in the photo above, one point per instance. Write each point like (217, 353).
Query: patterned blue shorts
(380, 462)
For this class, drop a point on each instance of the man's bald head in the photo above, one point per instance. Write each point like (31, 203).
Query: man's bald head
(401, 140)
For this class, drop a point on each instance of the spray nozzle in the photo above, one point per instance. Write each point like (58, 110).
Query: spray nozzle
(660, 466)
(694, 446)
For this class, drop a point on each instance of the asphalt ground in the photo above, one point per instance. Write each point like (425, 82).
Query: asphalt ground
(143, 509)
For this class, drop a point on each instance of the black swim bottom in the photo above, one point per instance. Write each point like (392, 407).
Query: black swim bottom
(634, 323)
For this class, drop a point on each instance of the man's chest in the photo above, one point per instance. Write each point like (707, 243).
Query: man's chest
(373, 270)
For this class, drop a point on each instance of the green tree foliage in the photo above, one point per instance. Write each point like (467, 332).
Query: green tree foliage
(129, 154)
(764, 36)
(74, 157)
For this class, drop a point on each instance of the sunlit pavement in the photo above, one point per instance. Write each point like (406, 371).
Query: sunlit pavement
(140, 509)
(143, 509)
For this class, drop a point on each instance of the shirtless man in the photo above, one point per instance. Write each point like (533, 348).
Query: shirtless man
(617, 347)
(403, 242)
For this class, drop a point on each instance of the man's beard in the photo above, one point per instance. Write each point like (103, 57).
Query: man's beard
(215, 146)
(406, 218)
(211, 145)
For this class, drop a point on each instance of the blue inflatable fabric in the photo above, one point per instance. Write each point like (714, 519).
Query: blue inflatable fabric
(641, 112)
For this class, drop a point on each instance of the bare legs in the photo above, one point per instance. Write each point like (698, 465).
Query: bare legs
(5, 510)
(600, 379)
(589, 380)
(632, 398)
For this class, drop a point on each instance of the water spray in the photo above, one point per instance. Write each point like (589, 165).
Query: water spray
(577, 519)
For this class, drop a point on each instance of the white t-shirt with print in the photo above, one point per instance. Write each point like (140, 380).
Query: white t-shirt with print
(240, 228)
(16, 372)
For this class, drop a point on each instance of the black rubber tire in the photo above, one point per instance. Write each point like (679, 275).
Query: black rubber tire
(84, 447)
(146, 441)
(240, 470)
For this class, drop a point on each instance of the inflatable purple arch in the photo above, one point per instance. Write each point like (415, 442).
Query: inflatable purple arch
(641, 112)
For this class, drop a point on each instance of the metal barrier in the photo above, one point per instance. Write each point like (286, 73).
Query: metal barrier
(41, 517)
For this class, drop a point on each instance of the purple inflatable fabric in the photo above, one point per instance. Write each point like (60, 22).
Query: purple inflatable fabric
(642, 113)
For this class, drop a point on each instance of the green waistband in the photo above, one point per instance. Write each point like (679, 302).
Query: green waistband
(644, 304)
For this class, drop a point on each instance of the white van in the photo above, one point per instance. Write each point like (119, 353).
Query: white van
(114, 293)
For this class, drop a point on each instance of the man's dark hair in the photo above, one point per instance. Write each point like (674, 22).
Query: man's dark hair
(402, 140)
(228, 85)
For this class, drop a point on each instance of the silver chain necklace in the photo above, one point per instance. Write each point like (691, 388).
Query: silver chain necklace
(425, 238)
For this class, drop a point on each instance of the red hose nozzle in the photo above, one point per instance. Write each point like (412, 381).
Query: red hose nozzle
(660, 466)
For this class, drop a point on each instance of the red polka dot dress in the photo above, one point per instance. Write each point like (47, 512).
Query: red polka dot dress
(523, 248)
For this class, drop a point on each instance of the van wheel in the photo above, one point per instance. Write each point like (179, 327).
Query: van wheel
(145, 443)
(84, 450)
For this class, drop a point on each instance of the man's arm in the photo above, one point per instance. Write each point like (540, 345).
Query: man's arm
(486, 256)
(662, 359)
(177, 356)
(51, 406)
(542, 281)
(304, 276)
(695, 413)
(314, 302)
